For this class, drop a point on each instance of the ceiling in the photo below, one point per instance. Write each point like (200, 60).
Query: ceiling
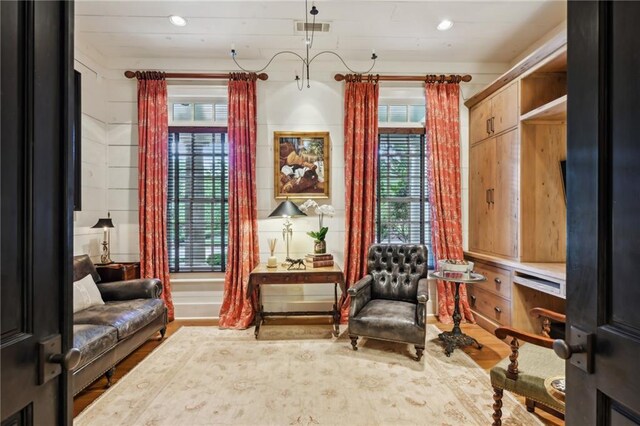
(495, 31)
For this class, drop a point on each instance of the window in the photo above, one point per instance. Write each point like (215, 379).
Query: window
(394, 112)
(197, 205)
(402, 214)
(198, 113)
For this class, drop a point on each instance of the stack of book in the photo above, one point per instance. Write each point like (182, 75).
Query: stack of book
(318, 260)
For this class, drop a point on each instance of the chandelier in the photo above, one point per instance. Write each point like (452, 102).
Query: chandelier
(307, 59)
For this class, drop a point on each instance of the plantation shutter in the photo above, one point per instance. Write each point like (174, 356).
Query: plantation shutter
(197, 209)
(403, 214)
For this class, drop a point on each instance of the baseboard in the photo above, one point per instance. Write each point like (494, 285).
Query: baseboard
(212, 310)
(197, 310)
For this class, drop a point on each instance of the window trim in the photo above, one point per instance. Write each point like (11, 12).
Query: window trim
(401, 130)
(198, 129)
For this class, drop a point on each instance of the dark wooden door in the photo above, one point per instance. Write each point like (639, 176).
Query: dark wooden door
(36, 211)
(603, 213)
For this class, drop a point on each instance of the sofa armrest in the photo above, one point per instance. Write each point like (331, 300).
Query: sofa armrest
(504, 332)
(421, 306)
(423, 290)
(360, 294)
(143, 288)
(360, 285)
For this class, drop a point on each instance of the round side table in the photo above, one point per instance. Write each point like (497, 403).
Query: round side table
(456, 338)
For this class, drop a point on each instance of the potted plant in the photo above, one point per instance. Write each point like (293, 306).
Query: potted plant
(319, 243)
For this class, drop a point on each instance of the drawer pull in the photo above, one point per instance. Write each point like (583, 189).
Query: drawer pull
(473, 300)
(498, 310)
(497, 280)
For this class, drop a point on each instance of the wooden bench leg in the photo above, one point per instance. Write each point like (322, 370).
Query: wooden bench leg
(531, 405)
(497, 406)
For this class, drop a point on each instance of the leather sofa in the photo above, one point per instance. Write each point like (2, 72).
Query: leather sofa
(389, 303)
(105, 334)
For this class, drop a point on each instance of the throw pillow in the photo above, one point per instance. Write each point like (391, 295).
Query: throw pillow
(86, 294)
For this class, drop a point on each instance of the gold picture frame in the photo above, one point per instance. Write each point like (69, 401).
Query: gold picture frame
(302, 165)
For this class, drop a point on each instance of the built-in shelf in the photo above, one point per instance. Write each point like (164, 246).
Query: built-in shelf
(554, 111)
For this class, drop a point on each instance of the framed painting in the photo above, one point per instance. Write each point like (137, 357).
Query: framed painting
(302, 165)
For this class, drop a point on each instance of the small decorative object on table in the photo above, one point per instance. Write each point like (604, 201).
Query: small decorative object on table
(287, 210)
(319, 244)
(319, 260)
(298, 263)
(451, 267)
(106, 224)
(556, 387)
(272, 262)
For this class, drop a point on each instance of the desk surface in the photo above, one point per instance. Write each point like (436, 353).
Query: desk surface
(281, 275)
(262, 269)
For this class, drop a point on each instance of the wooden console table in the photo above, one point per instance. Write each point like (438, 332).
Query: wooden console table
(262, 275)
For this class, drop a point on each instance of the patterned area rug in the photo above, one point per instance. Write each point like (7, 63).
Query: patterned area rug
(299, 375)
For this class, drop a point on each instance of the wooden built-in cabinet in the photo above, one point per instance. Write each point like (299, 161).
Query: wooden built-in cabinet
(517, 207)
(493, 195)
(494, 115)
(512, 289)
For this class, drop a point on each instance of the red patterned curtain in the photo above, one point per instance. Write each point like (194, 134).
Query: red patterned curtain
(238, 309)
(443, 136)
(152, 179)
(360, 158)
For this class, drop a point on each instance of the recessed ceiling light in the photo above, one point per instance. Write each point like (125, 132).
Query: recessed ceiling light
(445, 25)
(178, 21)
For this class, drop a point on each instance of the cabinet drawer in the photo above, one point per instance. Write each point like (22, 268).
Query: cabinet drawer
(498, 280)
(490, 305)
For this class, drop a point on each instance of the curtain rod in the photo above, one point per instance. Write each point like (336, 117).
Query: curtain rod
(429, 78)
(194, 75)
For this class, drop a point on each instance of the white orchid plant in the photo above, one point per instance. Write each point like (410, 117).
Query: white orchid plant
(321, 211)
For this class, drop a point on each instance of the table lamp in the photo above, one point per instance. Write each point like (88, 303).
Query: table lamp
(105, 223)
(287, 210)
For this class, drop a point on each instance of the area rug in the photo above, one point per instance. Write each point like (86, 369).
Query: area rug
(299, 375)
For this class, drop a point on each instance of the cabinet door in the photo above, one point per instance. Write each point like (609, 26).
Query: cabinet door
(478, 117)
(504, 109)
(482, 176)
(505, 198)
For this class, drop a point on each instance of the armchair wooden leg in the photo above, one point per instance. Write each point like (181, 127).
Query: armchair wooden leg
(109, 375)
(531, 405)
(497, 406)
(419, 350)
(163, 331)
(354, 342)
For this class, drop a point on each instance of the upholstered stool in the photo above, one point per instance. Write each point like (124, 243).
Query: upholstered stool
(525, 371)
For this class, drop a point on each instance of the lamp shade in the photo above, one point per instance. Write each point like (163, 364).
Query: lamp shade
(104, 222)
(287, 209)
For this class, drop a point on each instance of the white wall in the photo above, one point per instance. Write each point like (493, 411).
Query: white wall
(94, 153)
(280, 107)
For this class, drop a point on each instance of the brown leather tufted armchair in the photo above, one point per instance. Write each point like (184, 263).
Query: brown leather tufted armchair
(389, 303)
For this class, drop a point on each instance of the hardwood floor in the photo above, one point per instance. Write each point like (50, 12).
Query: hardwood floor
(493, 351)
